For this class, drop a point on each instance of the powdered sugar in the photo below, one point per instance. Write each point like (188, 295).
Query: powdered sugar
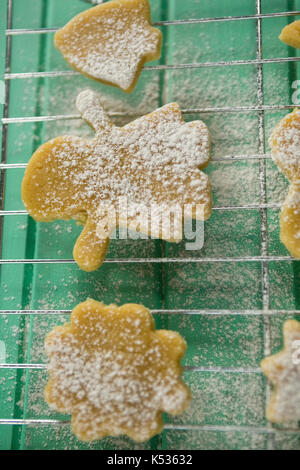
(285, 145)
(293, 199)
(111, 42)
(113, 372)
(284, 372)
(153, 160)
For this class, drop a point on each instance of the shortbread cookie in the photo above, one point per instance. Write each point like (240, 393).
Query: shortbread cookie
(110, 181)
(114, 372)
(283, 371)
(285, 146)
(290, 34)
(111, 42)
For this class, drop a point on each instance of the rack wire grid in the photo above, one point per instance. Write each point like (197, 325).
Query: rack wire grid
(223, 62)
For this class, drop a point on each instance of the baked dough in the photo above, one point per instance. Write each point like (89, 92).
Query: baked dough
(153, 162)
(285, 146)
(283, 371)
(290, 34)
(111, 42)
(114, 372)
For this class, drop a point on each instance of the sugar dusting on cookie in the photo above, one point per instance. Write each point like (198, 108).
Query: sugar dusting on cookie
(111, 42)
(285, 145)
(283, 371)
(114, 373)
(162, 149)
(154, 161)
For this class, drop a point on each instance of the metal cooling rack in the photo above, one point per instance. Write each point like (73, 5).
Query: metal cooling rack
(261, 156)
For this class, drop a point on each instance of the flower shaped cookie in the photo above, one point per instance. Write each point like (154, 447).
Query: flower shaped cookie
(283, 370)
(114, 373)
(285, 146)
(111, 42)
(110, 181)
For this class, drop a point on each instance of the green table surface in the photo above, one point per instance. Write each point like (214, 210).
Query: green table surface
(228, 333)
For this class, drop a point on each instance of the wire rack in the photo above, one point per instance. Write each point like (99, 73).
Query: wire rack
(264, 258)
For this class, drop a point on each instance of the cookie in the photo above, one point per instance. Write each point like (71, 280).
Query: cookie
(112, 180)
(283, 371)
(111, 42)
(285, 146)
(114, 372)
(290, 34)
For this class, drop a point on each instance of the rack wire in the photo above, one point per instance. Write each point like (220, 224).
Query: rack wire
(262, 157)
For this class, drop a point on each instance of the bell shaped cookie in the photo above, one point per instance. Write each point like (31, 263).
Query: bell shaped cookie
(114, 372)
(132, 177)
(285, 146)
(111, 42)
(283, 371)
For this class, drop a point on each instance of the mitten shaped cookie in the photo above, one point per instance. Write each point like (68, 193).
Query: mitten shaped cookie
(114, 372)
(285, 146)
(111, 42)
(111, 180)
(283, 371)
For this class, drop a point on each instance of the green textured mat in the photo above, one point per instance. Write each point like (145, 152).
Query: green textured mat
(215, 304)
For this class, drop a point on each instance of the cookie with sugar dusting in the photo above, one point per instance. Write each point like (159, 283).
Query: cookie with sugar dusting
(111, 42)
(290, 34)
(283, 371)
(114, 372)
(285, 146)
(121, 177)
